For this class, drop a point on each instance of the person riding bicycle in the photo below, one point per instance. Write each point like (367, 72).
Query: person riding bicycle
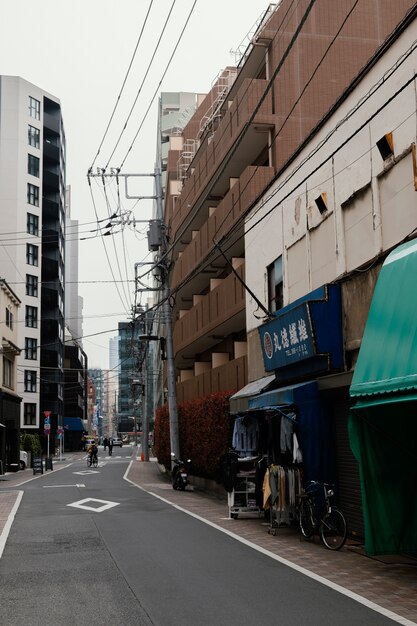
(92, 452)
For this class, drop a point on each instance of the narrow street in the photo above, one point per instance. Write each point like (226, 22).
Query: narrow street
(87, 546)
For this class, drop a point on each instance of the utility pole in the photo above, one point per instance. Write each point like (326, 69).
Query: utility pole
(167, 315)
(171, 382)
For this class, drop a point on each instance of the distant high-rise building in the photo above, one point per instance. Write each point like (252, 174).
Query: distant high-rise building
(114, 354)
(32, 201)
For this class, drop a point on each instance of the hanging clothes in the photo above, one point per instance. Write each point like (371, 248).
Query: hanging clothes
(245, 438)
(282, 486)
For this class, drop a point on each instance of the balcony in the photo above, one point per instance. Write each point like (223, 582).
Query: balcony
(51, 152)
(229, 377)
(50, 209)
(52, 122)
(235, 204)
(220, 313)
(213, 155)
(49, 358)
(50, 181)
(49, 269)
(49, 297)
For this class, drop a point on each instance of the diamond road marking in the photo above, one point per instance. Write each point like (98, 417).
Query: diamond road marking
(86, 472)
(106, 504)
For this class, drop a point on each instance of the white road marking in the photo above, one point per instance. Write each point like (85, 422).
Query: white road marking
(328, 583)
(6, 529)
(86, 472)
(106, 504)
(53, 486)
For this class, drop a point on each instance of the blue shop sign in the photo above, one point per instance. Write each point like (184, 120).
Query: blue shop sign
(308, 330)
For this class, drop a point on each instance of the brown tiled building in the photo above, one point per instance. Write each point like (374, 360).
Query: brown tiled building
(248, 128)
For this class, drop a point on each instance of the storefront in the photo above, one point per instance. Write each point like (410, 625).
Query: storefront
(73, 433)
(9, 431)
(383, 422)
(302, 343)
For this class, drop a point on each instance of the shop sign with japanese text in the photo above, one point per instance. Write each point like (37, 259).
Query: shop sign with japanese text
(288, 339)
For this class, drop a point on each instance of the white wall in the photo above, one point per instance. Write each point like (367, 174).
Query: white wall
(371, 203)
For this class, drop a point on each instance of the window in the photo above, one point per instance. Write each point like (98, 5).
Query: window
(33, 194)
(32, 224)
(31, 254)
(275, 286)
(31, 285)
(34, 108)
(9, 319)
(34, 136)
(31, 347)
(30, 381)
(7, 373)
(33, 165)
(31, 317)
(29, 414)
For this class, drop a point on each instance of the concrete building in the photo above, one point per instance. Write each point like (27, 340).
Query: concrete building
(255, 305)
(32, 200)
(315, 243)
(245, 131)
(174, 112)
(129, 410)
(9, 397)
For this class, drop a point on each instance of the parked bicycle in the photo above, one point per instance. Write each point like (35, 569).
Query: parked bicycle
(317, 515)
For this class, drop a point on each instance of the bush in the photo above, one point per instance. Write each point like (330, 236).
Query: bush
(31, 443)
(205, 432)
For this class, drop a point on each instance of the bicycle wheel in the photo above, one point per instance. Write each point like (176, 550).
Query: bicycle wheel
(306, 518)
(95, 462)
(333, 530)
(88, 462)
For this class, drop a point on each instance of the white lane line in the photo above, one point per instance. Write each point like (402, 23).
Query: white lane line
(56, 486)
(9, 522)
(328, 583)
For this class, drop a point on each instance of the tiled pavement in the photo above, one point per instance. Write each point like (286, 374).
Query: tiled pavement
(390, 582)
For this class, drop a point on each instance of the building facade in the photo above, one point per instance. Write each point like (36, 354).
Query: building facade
(279, 300)
(314, 246)
(32, 199)
(9, 398)
(250, 124)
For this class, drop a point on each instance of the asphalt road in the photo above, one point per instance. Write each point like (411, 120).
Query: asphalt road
(136, 560)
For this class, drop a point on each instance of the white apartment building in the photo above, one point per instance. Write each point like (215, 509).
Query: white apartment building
(32, 223)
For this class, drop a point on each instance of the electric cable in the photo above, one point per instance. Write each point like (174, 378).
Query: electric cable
(142, 83)
(124, 83)
(159, 84)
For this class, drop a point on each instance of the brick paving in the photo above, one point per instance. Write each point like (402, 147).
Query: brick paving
(390, 582)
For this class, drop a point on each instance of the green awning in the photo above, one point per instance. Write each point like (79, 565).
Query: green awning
(387, 361)
(382, 421)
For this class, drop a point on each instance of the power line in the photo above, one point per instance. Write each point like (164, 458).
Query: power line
(142, 83)
(124, 82)
(159, 84)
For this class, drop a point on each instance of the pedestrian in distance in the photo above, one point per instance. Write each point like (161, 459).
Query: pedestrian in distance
(105, 442)
(110, 444)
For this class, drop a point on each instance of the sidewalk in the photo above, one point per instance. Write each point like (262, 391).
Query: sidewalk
(390, 582)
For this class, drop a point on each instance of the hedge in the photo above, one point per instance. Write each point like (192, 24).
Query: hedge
(205, 432)
(31, 443)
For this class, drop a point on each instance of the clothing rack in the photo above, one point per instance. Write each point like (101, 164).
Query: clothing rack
(281, 487)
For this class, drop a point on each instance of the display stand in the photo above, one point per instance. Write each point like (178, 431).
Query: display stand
(243, 497)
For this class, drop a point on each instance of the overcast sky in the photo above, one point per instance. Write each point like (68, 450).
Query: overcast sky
(80, 51)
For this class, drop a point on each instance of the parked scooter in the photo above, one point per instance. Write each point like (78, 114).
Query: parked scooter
(179, 473)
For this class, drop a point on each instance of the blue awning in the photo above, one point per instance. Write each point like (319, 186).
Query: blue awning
(73, 424)
(239, 400)
(293, 394)
(314, 425)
